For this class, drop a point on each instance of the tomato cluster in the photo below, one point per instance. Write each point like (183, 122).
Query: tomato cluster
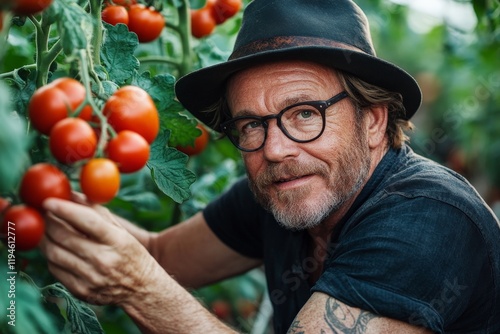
(146, 22)
(60, 111)
(204, 20)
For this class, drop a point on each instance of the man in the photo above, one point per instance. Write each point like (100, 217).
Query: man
(357, 233)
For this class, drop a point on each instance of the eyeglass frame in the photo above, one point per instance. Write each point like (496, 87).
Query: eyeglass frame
(320, 105)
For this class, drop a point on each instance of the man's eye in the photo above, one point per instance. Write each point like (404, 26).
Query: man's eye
(251, 125)
(305, 113)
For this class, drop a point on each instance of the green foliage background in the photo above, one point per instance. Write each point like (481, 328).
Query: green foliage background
(458, 125)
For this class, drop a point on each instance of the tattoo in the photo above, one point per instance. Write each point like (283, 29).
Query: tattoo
(295, 328)
(341, 320)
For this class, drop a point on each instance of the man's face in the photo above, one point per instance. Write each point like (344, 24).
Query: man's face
(301, 183)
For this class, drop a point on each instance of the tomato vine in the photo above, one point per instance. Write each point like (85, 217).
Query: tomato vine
(68, 43)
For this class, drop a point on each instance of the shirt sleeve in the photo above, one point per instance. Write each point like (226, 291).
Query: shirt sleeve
(235, 218)
(417, 266)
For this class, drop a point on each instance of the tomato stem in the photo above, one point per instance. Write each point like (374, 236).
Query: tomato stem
(172, 26)
(185, 37)
(41, 38)
(82, 54)
(95, 11)
(44, 56)
(156, 59)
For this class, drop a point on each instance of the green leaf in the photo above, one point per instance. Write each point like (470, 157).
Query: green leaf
(143, 201)
(209, 53)
(160, 88)
(117, 53)
(168, 169)
(81, 318)
(13, 142)
(74, 26)
(182, 128)
(22, 87)
(479, 8)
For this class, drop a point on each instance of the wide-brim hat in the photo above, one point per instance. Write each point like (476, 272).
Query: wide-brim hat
(331, 32)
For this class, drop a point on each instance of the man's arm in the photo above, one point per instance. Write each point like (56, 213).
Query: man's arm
(324, 314)
(195, 256)
(100, 262)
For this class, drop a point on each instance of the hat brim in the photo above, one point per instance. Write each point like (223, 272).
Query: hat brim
(199, 90)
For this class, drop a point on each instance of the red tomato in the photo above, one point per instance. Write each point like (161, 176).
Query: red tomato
(56, 101)
(114, 15)
(1, 20)
(42, 181)
(100, 180)
(221, 309)
(23, 225)
(224, 9)
(146, 22)
(4, 204)
(71, 140)
(202, 22)
(200, 143)
(29, 7)
(129, 150)
(131, 108)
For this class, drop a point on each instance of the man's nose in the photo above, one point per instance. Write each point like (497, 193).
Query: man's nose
(278, 146)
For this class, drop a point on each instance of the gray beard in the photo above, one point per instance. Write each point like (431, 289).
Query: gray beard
(290, 208)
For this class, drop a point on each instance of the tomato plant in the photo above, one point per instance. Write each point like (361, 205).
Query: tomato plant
(131, 108)
(115, 14)
(146, 22)
(100, 180)
(71, 140)
(200, 143)
(28, 225)
(56, 101)
(41, 181)
(129, 150)
(64, 70)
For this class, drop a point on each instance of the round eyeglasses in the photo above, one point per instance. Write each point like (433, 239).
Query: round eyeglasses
(301, 122)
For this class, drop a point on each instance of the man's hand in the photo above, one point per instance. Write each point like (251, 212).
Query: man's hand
(93, 255)
(100, 262)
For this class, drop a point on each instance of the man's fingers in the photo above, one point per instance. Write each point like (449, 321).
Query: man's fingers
(79, 198)
(64, 235)
(81, 218)
(64, 258)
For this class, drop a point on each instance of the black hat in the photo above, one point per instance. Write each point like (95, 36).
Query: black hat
(331, 32)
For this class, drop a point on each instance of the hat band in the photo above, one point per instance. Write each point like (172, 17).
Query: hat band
(284, 42)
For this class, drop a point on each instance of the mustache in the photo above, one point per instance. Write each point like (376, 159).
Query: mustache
(292, 169)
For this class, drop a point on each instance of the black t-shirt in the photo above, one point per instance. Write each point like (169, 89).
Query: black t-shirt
(418, 245)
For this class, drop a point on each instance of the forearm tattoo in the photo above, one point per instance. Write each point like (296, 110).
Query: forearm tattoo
(339, 319)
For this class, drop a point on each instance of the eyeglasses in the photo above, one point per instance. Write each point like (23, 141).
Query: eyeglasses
(301, 122)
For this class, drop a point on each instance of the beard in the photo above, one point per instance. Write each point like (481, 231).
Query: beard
(292, 208)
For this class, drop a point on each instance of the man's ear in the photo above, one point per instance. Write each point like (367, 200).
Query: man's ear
(376, 125)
